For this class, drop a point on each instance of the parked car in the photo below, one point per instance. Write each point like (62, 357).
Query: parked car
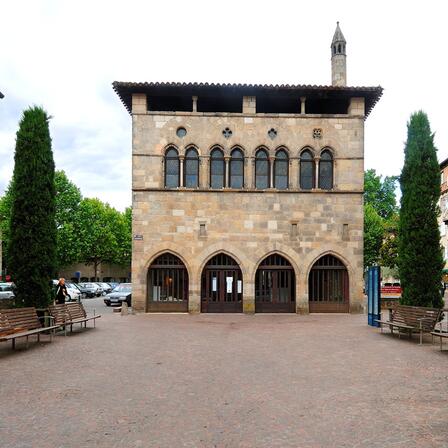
(122, 293)
(6, 291)
(106, 287)
(89, 289)
(113, 285)
(74, 294)
(99, 289)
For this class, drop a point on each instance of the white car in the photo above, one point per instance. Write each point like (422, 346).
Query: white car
(73, 293)
(6, 291)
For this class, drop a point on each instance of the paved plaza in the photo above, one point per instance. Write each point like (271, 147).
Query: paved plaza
(224, 381)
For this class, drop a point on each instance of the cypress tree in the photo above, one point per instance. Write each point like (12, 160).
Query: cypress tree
(420, 259)
(32, 244)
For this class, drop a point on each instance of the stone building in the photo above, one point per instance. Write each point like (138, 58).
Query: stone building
(248, 198)
(443, 219)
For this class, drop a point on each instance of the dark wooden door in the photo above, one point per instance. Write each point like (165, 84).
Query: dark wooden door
(275, 286)
(222, 286)
(328, 286)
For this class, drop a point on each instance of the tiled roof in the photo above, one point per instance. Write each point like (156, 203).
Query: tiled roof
(125, 89)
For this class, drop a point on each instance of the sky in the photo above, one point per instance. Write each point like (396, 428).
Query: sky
(64, 55)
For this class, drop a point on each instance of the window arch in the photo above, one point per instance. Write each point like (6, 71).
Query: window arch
(236, 169)
(172, 168)
(326, 170)
(281, 170)
(217, 169)
(191, 168)
(307, 170)
(262, 170)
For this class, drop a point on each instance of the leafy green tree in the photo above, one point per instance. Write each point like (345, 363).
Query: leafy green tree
(420, 261)
(32, 242)
(373, 235)
(389, 246)
(380, 194)
(5, 219)
(380, 216)
(97, 233)
(124, 237)
(68, 199)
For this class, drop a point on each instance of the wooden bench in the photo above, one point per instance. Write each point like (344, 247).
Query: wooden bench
(20, 323)
(68, 314)
(78, 315)
(412, 319)
(441, 332)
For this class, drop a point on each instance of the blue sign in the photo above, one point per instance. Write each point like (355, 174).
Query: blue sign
(374, 295)
(78, 274)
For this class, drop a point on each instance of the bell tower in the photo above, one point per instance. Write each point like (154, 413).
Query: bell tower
(338, 59)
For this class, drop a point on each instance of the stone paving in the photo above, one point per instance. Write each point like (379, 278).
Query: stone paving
(224, 381)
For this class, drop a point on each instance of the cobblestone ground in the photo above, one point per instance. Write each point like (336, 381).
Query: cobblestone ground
(224, 381)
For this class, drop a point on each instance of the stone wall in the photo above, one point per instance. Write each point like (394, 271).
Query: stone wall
(248, 224)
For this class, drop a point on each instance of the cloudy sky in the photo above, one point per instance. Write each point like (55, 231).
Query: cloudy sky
(64, 55)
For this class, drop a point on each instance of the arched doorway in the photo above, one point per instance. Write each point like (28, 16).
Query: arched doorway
(222, 286)
(275, 286)
(328, 286)
(167, 284)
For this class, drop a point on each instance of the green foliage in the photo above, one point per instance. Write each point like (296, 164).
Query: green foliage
(32, 235)
(373, 235)
(420, 260)
(380, 194)
(380, 217)
(103, 234)
(389, 246)
(68, 198)
(5, 221)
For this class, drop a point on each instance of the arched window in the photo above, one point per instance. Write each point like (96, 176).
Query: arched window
(191, 169)
(172, 168)
(217, 169)
(307, 171)
(281, 170)
(262, 171)
(237, 169)
(326, 170)
(339, 48)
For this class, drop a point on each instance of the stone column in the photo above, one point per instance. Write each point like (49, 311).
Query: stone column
(227, 172)
(249, 104)
(139, 104)
(302, 105)
(248, 297)
(181, 170)
(316, 180)
(195, 103)
(271, 171)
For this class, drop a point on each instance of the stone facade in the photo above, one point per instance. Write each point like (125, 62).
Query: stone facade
(248, 224)
(106, 272)
(443, 219)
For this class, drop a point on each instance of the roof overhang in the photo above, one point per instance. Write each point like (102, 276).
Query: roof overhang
(125, 90)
